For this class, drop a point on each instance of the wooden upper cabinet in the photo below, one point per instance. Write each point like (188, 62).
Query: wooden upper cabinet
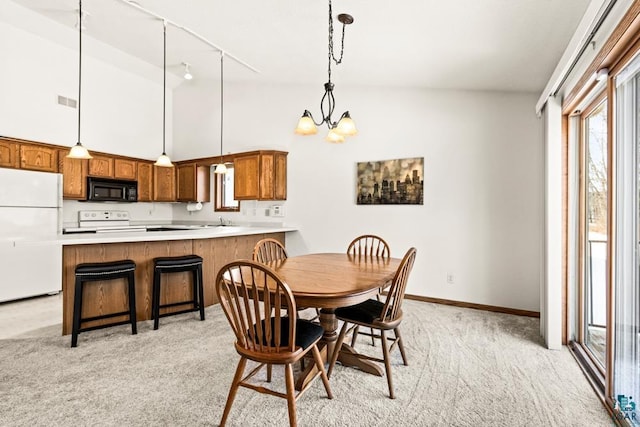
(74, 176)
(280, 176)
(38, 158)
(8, 154)
(246, 183)
(193, 183)
(125, 169)
(260, 176)
(145, 181)
(101, 166)
(164, 184)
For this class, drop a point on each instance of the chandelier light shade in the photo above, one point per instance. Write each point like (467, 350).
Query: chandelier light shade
(78, 151)
(221, 168)
(344, 126)
(164, 160)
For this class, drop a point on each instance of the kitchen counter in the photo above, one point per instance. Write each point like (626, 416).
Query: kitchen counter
(216, 245)
(145, 236)
(181, 234)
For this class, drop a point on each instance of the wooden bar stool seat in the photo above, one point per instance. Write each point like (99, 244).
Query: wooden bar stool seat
(93, 272)
(162, 265)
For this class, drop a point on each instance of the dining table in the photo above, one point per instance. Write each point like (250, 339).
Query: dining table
(331, 280)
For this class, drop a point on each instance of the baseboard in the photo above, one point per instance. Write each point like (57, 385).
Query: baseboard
(494, 308)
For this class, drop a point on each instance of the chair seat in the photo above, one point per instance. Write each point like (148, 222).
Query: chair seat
(365, 312)
(105, 268)
(178, 261)
(307, 332)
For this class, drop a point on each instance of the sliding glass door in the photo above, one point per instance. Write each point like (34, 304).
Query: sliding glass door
(626, 277)
(594, 231)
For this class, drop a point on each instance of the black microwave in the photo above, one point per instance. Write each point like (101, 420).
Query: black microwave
(111, 190)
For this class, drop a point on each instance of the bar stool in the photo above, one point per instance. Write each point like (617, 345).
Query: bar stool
(162, 265)
(92, 272)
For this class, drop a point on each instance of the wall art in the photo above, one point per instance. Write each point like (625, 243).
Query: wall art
(391, 182)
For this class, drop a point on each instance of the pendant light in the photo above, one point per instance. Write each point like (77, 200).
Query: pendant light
(345, 125)
(78, 151)
(221, 168)
(164, 160)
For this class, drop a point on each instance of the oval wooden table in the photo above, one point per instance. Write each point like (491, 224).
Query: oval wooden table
(328, 281)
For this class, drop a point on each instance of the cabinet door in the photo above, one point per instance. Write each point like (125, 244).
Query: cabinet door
(164, 184)
(186, 182)
(267, 173)
(101, 166)
(38, 158)
(8, 154)
(280, 177)
(246, 177)
(125, 169)
(74, 176)
(145, 182)
(193, 183)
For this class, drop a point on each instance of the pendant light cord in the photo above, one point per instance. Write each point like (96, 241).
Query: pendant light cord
(221, 101)
(164, 90)
(79, 64)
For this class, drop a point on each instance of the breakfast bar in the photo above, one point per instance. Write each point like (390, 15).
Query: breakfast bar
(216, 245)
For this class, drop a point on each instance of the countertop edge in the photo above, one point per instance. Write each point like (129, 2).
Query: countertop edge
(131, 237)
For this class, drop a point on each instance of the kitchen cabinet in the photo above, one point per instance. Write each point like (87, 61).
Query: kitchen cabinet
(260, 175)
(164, 184)
(74, 176)
(101, 165)
(38, 158)
(8, 154)
(193, 183)
(125, 169)
(145, 181)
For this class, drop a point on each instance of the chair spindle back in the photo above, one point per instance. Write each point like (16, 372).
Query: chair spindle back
(395, 296)
(268, 250)
(370, 245)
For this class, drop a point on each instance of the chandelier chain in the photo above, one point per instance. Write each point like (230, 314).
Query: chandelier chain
(331, 55)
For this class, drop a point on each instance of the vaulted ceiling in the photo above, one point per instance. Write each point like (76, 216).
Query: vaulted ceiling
(510, 45)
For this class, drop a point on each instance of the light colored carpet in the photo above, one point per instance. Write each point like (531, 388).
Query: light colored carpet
(466, 368)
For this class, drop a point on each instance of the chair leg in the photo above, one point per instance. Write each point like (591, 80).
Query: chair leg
(336, 350)
(155, 305)
(234, 388)
(323, 374)
(354, 336)
(373, 340)
(291, 394)
(269, 370)
(131, 280)
(200, 291)
(77, 312)
(387, 362)
(401, 346)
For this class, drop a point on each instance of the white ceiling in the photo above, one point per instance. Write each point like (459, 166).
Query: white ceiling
(510, 45)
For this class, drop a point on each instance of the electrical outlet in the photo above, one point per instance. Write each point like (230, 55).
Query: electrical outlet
(450, 278)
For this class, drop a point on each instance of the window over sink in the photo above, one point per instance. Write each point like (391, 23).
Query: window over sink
(223, 189)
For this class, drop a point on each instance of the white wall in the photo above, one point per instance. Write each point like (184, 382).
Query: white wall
(482, 216)
(481, 220)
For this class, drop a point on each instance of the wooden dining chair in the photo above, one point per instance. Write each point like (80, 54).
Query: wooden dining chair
(269, 250)
(374, 246)
(246, 291)
(379, 316)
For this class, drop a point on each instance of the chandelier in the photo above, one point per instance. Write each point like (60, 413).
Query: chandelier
(344, 126)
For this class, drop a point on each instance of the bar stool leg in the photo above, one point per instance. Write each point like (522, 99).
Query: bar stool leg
(77, 309)
(131, 279)
(198, 278)
(156, 298)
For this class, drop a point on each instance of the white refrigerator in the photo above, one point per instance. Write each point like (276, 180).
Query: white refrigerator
(30, 224)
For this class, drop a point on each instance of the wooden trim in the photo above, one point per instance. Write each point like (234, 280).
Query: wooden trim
(613, 47)
(565, 228)
(609, 274)
(494, 308)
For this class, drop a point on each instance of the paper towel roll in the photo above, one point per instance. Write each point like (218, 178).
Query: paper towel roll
(194, 206)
